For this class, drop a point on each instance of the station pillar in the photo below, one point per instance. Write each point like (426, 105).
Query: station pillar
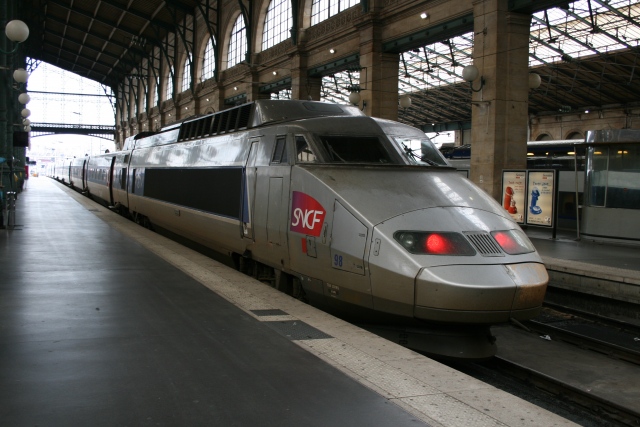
(500, 106)
(378, 74)
(302, 86)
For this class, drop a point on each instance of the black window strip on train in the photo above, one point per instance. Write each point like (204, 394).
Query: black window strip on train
(233, 116)
(243, 120)
(214, 190)
(123, 178)
(226, 121)
(216, 124)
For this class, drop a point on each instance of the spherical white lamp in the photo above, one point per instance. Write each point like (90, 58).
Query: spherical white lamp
(534, 81)
(20, 75)
(24, 98)
(405, 101)
(470, 73)
(25, 112)
(27, 128)
(26, 122)
(354, 98)
(16, 31)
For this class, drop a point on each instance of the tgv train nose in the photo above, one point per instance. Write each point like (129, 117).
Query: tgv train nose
(494, 294)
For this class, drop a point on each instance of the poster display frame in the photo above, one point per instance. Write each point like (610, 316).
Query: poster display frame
(535, 198)
(515, 206)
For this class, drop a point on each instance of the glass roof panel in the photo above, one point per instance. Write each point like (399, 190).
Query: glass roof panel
(583, 33)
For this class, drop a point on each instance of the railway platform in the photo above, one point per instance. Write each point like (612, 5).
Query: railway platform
(103, 322)
(589, 269)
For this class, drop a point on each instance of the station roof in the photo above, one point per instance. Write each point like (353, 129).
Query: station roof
(586, 53)
(100, 39)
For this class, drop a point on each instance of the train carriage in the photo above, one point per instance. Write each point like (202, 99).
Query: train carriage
(361, 215)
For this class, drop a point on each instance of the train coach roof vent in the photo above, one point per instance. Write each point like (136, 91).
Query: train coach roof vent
(484, 243)
(231, 120)
(283, 110)
(258, 113)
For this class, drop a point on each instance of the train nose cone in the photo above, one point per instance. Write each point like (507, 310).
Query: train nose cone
(480, 293)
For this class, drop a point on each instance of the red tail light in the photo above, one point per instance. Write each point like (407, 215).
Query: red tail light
(513, 242)
(438, 244)
(434, 243)
(504, 240)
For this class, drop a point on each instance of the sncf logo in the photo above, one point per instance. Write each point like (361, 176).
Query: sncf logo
(307, 215)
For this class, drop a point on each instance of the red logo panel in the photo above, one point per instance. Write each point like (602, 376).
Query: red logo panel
(307, 214)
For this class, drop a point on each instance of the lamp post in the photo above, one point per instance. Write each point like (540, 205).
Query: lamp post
(12, 83)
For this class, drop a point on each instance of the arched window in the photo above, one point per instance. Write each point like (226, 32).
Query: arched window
(277, 23)
(156, 92)
(168, 93)
(324, 9)
(186, 74)
(126, 95)
(145, 97)
(237, 43)
(208, 62)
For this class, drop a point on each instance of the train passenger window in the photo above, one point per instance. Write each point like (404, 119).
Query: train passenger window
(355, 149)
(280, 151)
(133, 181)
(624, 177)
(304, 154)
(597, 175)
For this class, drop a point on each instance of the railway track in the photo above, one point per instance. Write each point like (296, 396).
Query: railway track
(579, 365)
(604, 411)
(613, 337)
(616, 339)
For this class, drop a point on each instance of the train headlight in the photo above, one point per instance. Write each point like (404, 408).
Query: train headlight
(513, 242)
(434, 243)
(406, 239)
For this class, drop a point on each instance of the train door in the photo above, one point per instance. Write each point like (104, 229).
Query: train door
(278, 194)
(249, 192)
(110, 180)
(272, 198)
(84, 175)
(347, 249)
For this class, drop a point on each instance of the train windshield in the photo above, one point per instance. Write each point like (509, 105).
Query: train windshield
(421, 151)
(354, 149)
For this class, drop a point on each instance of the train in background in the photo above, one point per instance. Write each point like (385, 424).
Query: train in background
(362, 217)
(566, 156)
(607, 164)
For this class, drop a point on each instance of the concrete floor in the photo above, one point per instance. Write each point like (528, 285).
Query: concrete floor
(103, 322)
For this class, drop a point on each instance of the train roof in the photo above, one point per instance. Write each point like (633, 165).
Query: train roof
(258, 113)
(254, 114)
(555, 143)
(261, 112)
(605, 136)
(612, 136)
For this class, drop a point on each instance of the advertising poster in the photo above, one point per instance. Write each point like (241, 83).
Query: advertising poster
(514, 194)
(540, 196)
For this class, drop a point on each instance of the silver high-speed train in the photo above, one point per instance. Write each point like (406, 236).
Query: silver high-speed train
(361, 216)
